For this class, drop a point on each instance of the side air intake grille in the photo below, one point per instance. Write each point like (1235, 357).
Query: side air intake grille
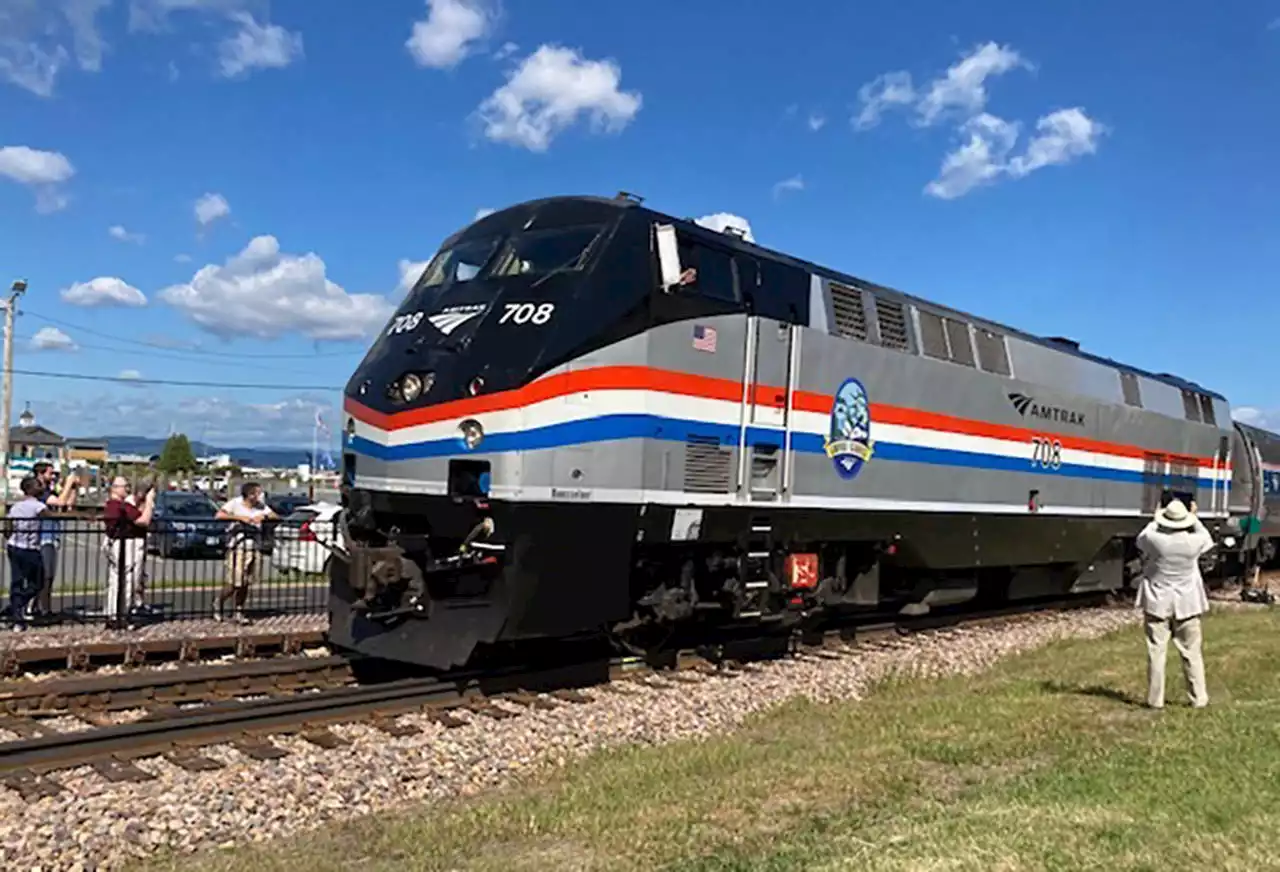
(707, 466)
(893, 324)
(851, 314)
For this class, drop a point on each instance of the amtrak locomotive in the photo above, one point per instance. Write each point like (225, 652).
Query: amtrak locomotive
(589, 419)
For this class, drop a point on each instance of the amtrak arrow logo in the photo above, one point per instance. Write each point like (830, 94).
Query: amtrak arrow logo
(450, 319)
(1020, 402)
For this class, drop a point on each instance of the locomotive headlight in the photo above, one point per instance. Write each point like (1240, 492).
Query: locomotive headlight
(472, 432)
(410, 386)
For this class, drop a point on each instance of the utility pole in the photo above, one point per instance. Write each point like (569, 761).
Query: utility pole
(10, 312)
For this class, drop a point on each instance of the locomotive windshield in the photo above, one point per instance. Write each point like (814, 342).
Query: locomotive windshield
(460, 263)
(533, 253)
(541, 252)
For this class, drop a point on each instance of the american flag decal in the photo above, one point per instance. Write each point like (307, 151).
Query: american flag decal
(704, 338)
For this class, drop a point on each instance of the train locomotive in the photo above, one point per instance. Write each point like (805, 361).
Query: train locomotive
(589, 419)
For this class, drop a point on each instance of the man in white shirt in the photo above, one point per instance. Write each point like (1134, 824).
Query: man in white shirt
(249, 510)
(1172, 597)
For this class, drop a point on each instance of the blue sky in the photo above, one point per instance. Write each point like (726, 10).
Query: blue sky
(230, 190)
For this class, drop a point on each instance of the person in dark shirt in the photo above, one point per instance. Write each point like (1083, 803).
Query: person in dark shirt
(125, 547)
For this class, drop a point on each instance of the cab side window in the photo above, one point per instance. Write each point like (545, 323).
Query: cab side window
(708, 271)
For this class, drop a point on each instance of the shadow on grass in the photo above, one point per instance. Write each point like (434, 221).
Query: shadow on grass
(1096, 690)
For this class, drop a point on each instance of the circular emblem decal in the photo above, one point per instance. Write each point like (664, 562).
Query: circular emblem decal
(848, 443)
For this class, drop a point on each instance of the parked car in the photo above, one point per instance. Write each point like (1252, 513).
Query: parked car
(301, 538)
(286, 504)
(184, 524)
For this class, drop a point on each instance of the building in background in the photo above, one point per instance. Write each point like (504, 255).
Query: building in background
(90, 452)
(29, 443)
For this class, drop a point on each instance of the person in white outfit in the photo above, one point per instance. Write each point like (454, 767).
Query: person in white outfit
(1172, 597)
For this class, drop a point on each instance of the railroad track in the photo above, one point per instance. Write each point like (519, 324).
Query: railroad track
(90, 655)
(301, 704)
(208, 683)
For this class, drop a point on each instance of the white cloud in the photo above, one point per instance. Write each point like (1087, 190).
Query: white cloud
(961, 90)
(1060, 138)
(257, 47)
(34, 35)
(978, 161)
(118, 232)
(963, 86)
(182, 257)
(548, 93)
(817, 121)
(131, 375)
(410, 272)
(52, 339)
(1256, 417)
(795, 183)
(984, 157)
(985, 153)
(507, 50)
(210, 208)
(722, 220)
(482, 212)
(881, 93)
(446, 36)
(42, 171)
(29, 166)
(264, 293)
(135, 410)
(1274, 25)
(153, 15)
(104, 291)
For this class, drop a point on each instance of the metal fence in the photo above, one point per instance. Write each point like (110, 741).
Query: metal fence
(65, 569)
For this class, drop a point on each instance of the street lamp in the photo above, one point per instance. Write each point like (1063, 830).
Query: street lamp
(10, 310)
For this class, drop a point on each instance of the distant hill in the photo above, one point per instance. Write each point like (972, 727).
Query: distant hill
(257, 457)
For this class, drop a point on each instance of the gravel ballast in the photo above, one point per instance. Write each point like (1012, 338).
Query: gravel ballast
(97, 824)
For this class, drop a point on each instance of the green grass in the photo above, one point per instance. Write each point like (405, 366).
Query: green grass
(1045, 762)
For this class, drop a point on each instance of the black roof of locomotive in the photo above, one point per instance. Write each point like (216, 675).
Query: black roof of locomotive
(560, 211)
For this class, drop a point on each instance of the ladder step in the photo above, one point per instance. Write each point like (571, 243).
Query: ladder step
(749, 615)
(757, 555)
(762, 528)
(756, 585)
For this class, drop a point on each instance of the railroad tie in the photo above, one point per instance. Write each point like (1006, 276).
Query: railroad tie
(568, 695)
(192, 761)
(386, 722)
(488, 709)
(527, 700)
(444, 719)
(322, 737)
(31, 787)
(258, 747)
(117, 770)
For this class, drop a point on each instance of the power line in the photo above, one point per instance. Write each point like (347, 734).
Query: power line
(175, 356)
(195, 351)
(171, 382)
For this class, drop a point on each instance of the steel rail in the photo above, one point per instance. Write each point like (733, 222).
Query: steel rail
(189, 683)
(304, 713)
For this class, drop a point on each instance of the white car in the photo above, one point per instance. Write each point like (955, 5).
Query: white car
(301, 537)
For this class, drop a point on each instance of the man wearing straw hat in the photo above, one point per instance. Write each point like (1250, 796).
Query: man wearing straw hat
(1172, 598)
